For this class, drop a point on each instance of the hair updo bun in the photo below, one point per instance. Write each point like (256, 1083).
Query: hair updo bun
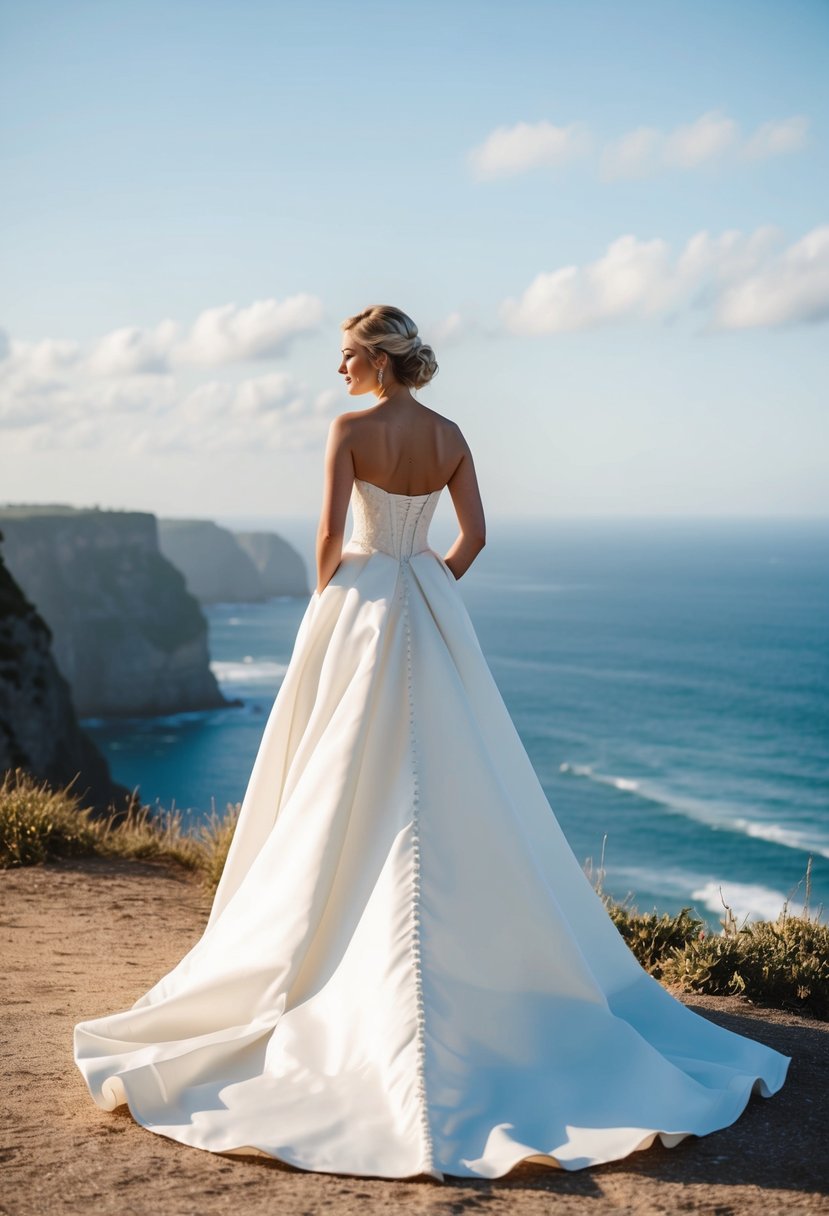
(382, 327)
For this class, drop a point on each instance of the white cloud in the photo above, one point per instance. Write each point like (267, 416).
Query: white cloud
(36, 363)
(510, 150)
(17, 412)
(326, 403)
(632, 276)
(30, 371)
(449, 330)
(725, 258)
(132, 350)
(741, 280)
(266, 413)
(33, 379)
(151, 415)
(55, 396)
(276, 391)
(705, 139)
(143, 393)
(61, 405)
(776, 138)
(643, 151)
(792, 288)
(633, 154)
(262, 330)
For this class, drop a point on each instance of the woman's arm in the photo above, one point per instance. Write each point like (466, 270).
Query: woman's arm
(466, 497)
(339, 478)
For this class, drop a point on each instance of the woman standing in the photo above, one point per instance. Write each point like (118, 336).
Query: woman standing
(405, 970)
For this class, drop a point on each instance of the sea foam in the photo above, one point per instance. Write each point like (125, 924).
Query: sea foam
(717, 815)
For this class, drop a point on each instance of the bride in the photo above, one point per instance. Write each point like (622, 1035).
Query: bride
(405, 970)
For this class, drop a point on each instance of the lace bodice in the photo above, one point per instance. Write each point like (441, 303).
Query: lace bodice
(396, 524)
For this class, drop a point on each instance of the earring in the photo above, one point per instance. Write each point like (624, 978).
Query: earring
(380, 377)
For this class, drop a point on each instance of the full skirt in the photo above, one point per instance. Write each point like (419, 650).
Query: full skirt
(405, 969)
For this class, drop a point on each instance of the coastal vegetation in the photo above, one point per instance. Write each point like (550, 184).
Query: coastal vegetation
(39, 823)
(783, 963)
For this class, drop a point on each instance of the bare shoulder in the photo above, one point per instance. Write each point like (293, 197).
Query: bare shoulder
(439, 419)
(343, 426)
(351, 422)
(455, 444)
(450, 431)
(346, 419)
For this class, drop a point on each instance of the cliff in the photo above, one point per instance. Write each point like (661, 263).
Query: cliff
(221, 566)
(127, 635)
(280, 567)
(39, 730)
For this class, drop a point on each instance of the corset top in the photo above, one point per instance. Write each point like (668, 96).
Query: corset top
(396, 524)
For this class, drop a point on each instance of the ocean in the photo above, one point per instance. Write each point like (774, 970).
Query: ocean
(669, 679)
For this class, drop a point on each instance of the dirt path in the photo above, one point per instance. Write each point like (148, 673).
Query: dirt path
(83, 938)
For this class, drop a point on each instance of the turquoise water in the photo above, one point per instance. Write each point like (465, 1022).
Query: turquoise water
(669, 679)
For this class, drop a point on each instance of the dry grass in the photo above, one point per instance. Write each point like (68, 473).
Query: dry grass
(38, 823)
(782, 963)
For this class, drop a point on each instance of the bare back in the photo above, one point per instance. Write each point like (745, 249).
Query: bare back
(404, 448)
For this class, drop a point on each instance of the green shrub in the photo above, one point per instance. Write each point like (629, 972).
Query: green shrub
(783, 963)
(652, 937)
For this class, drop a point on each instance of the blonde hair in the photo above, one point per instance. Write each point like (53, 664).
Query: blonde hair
(382, 327)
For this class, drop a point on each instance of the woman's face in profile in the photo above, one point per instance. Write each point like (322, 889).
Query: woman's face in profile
(359, 372)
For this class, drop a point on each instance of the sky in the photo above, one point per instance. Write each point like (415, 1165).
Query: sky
(611, 222)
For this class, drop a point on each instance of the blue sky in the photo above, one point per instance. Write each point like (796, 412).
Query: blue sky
(610, 220)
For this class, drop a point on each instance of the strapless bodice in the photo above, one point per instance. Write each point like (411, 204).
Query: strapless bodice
(397, 524)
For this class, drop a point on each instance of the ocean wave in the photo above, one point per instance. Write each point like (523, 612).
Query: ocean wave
(248, 671)
(786, 835)
(752, 901)
(587, 770)
(791, 838)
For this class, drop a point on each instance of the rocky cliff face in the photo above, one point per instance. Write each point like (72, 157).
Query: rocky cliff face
(221, 566)
(280, 567)
(127, 635)
(38, 727)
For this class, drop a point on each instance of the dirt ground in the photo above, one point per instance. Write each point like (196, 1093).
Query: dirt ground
(83, 938)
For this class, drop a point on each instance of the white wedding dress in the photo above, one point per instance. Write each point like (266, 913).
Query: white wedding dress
(405, 969)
